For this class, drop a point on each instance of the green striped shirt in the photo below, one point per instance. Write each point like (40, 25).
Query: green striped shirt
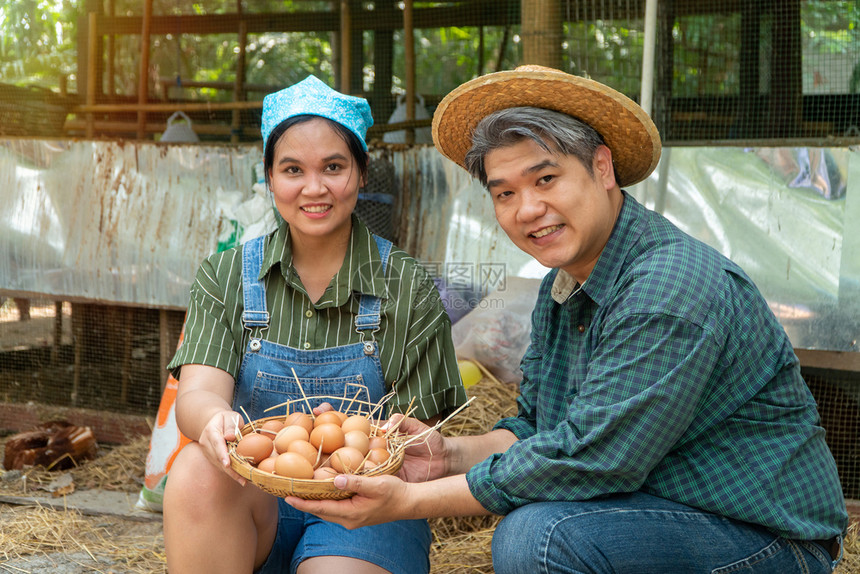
(416, 350)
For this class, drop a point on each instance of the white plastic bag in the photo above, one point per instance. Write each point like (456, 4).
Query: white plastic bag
(179, 130)
(422, 135)
(497, 332)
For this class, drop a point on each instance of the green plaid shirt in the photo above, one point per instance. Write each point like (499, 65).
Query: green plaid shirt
(665, 372)
(415, 346)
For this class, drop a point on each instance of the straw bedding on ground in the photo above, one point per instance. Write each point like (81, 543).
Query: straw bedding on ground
(40, 539)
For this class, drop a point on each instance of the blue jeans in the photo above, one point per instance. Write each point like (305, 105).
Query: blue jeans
(401, 547)
(641, 534)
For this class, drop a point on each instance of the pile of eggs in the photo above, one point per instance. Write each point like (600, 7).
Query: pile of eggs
(301, 446)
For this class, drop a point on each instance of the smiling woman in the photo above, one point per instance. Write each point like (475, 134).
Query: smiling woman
(313, 307)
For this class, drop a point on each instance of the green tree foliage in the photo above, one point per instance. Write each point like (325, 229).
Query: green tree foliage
(39, 45)
(37, 41)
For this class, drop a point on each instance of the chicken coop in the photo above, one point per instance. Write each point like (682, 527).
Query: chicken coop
(130, 150)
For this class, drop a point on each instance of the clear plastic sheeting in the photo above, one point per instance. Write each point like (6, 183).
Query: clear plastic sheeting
(123, 223)
(784, 214)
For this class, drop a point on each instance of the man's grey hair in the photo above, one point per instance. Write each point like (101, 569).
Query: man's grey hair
(553, 131)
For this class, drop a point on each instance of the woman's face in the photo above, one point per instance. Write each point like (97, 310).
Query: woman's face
(315, 180)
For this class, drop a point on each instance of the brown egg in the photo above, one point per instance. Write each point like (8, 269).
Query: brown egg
(346, 459)
(270, 428)
(254, 447)
(329, 435)
(293, 465)
(378, 455)
(356, 422)
(378, 442)
(301, 419)
(305, 449)
(328, 417)
(357, 440)
(325, 472)
(267, 464)
(287, 435)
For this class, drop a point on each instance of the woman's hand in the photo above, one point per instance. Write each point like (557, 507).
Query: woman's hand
(378, 499)
(220, 429)
(386, 498)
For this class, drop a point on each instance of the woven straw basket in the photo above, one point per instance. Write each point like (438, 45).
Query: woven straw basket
(308, 488)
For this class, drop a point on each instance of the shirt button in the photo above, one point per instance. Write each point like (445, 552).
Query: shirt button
(309, 313)
(307, 345)
(581, 328)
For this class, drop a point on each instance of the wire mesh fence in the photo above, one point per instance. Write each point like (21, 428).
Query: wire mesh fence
(98, 357)
(725, 71)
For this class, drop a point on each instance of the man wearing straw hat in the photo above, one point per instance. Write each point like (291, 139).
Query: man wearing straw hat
(663, 425)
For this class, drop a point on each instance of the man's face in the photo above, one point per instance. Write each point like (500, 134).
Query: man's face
(550, 206)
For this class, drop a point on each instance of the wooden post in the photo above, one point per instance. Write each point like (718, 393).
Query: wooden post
(345, 46)
(662, 114)
(239, 85)
(127, 347)
(356, 67)
(480, 50)
(92, 62)
(164, 348)
(786, 86)
(111, 53)
(383, 62)
(78, 344)
(409, 58)
(58, 332)
(143, 80)
(541, 32)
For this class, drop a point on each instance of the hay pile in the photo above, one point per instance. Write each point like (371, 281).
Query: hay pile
(462, 545)
(39, 539)
(851, 558)
(36, 539)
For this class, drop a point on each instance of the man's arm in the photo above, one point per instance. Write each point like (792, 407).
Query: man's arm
(467, 451)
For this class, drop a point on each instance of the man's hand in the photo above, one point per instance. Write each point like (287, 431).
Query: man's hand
(427, 458)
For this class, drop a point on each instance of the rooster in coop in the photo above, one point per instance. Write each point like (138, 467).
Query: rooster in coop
(56, 445)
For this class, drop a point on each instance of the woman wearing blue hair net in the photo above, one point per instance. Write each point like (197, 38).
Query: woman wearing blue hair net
(320, 296)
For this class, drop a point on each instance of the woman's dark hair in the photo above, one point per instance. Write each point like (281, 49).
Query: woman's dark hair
(352, 142)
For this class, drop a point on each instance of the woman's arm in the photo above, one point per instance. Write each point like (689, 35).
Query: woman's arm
(204, 413)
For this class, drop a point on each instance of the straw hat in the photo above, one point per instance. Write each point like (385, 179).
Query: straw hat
(626, 128)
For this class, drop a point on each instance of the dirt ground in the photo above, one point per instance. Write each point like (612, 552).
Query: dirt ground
(37, 331)
(100, 530)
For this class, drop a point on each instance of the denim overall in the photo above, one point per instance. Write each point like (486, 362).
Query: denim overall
(266, 379)
(266, 376)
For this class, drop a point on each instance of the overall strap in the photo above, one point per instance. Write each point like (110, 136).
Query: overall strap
(369, 305)
(255, 314)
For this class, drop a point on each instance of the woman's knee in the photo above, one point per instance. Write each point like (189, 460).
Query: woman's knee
(193, 478)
